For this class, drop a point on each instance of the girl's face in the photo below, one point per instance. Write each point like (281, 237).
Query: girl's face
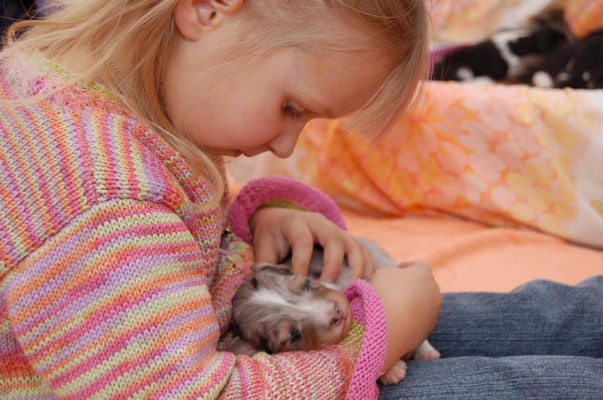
(249, 109)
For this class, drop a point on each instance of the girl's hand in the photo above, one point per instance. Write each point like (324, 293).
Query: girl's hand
(277, 231)
(412, 300)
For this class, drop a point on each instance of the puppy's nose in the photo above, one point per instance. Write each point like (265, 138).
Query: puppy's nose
(336, 315)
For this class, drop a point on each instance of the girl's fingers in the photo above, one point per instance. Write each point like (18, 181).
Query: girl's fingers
(356, 258)
(298, 234)
(302, 246)
(369, 265)
(265, 250)
(333, 259)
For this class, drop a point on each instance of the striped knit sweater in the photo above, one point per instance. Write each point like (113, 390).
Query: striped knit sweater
(114, 283)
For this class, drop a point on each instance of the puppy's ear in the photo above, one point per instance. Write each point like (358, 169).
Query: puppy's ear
(276, 268)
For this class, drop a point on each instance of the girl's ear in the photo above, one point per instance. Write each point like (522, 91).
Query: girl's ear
(193, 17)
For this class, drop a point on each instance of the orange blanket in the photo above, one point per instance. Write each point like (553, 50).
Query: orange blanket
(468, 256)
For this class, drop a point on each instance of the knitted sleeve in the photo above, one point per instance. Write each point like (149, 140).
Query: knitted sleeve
(115, 305)
(274, 189)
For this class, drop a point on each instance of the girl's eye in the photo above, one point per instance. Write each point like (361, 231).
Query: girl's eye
(290, 109)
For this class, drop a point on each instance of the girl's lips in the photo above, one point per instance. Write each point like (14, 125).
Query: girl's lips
(233, 154)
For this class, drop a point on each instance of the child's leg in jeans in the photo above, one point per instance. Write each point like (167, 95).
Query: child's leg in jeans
(513, 378)
(549, 335)
(538, 318)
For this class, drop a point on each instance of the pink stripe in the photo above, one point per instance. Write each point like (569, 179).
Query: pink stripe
(76, 294)
(100, 243)
(368, 310)
(139, 333)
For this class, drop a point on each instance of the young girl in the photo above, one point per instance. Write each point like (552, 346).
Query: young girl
(118, 254)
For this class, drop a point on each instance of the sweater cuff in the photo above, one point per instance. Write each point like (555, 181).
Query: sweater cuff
(276, 188)
(368, 311)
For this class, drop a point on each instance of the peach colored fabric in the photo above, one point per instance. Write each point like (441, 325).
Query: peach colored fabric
(468, 21)
(584, 16)
(503, 156)
(467, 256)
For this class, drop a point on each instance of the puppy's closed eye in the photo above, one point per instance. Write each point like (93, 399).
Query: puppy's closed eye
(296, 335)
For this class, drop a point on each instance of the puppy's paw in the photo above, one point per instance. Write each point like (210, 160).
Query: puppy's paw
(239, 346)
(395, 374)
(425, 352)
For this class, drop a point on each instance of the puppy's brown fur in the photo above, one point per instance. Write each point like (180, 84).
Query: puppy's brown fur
(275, 310)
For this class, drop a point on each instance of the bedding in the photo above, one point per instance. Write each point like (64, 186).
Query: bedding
(543, 51)
(469, 256)
(471, 21)
(503, 156)
(494, 185)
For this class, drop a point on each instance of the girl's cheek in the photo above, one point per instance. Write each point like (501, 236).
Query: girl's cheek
(264, 132)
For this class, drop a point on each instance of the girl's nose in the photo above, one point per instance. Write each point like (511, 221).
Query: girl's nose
(283, 145)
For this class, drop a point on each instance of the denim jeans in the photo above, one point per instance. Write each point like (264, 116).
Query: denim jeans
(544, 340)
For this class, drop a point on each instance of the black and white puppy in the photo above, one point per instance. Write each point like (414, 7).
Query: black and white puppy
(275, 310)
(505, 56)
(577, 65)
(544, 54)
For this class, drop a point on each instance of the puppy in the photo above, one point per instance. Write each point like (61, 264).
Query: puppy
(275, 310)
(577, 65)
(510, 56)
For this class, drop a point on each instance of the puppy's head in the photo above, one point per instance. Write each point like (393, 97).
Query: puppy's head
(275, 311)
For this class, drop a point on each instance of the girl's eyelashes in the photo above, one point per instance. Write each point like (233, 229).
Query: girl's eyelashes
(291, 110)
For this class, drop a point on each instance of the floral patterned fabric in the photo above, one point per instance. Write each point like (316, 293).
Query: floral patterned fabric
(584, 16)
(504, 156)
(470, 21)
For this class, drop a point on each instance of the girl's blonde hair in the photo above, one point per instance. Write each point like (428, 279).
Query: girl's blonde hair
(396, 27)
